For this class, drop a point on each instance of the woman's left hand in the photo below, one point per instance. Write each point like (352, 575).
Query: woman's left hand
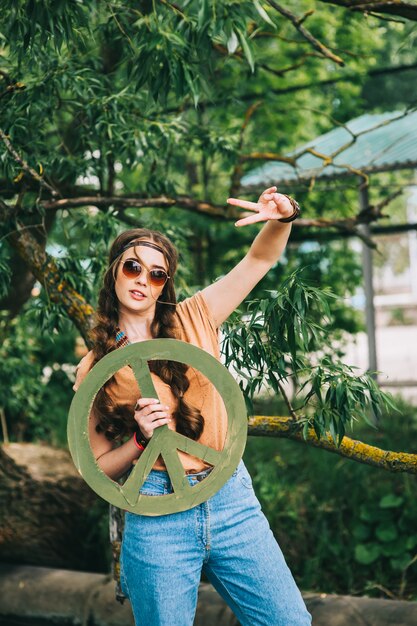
(270, 206)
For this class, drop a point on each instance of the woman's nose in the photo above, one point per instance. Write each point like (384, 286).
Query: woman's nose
(142, 279)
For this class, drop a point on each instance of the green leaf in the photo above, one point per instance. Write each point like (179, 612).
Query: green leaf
(246, 50)
(262, 12)
(391, 501)
(204, 14)
(333, 429)
(386, 532)
(318, 429)
(232, 43)
(341, 433)
(367, 553)
(401, 563)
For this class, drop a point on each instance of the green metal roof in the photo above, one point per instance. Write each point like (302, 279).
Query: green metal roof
(384, 141)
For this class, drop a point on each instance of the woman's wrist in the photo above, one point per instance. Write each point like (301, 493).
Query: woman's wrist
(137, 444)
(139, 439)
(296, 211)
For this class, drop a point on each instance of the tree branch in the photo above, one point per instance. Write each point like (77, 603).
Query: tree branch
(25, 166)
(305, 33)
(22, 278)
(301, 234)
(185, 202)
(12, 86)
(277, 426)
(393, 7)
(44, 268)
(346, 226)
(374, 211)
(267, 156)
(347, 77)
(287, 401)
(280, 71)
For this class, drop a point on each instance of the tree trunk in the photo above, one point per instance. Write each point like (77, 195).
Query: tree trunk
(46, 510)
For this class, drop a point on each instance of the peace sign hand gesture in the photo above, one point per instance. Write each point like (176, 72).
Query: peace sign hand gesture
(270, 206)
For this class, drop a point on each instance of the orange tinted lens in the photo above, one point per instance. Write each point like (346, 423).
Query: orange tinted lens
(131, 268)
(158, 277)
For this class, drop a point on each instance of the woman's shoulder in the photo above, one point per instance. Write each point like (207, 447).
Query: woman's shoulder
(195, 311)
(83, 368)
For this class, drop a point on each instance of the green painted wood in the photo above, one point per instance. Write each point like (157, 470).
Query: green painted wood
(164, 441)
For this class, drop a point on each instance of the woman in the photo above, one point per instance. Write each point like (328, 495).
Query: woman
(228, 536)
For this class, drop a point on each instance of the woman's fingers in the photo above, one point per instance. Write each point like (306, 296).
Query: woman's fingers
(153, 408)
(155, 416)
(268, 194)
(280, 198)
(149, 414)
(244, 204)
(142, 402)
(147, 424)
(147, 405)
(252, 219)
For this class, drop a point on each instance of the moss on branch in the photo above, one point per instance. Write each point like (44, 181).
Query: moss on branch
(281, 426)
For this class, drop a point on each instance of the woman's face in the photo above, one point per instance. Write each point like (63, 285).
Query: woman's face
(137, 294)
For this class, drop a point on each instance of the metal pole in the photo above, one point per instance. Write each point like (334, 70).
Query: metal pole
(412, 239)
(368, 284)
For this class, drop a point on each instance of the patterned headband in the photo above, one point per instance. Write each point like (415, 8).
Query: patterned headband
(137, 243)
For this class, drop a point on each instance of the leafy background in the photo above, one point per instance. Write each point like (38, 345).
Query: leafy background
(148, 99)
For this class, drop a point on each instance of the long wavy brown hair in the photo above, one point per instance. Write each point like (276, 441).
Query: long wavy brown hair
(114, 420)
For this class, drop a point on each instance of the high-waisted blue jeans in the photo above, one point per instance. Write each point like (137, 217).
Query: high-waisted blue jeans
(229, 538)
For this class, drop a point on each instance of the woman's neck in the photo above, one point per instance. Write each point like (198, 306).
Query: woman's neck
(135, 327)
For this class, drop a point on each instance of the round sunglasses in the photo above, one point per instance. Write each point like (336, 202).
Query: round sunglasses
(133, 269)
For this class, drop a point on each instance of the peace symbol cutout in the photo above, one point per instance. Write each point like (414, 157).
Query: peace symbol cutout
(164, 441)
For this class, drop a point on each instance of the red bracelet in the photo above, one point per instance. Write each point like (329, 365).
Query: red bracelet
(137, 444)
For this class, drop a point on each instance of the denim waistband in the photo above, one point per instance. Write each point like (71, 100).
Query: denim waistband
(204, 472)
(163, 476)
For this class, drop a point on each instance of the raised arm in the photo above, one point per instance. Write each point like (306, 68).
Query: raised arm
(224, 295)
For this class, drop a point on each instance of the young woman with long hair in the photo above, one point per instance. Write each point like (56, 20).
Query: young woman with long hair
(228, 537)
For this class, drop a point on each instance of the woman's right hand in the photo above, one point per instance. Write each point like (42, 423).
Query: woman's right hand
(150, 414)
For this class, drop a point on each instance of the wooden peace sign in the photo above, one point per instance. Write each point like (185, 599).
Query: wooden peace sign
(164, 441)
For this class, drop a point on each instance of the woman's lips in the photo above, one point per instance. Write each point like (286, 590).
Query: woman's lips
(137, 296)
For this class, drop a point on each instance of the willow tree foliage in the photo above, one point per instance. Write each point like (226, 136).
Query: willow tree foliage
(119, 114)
